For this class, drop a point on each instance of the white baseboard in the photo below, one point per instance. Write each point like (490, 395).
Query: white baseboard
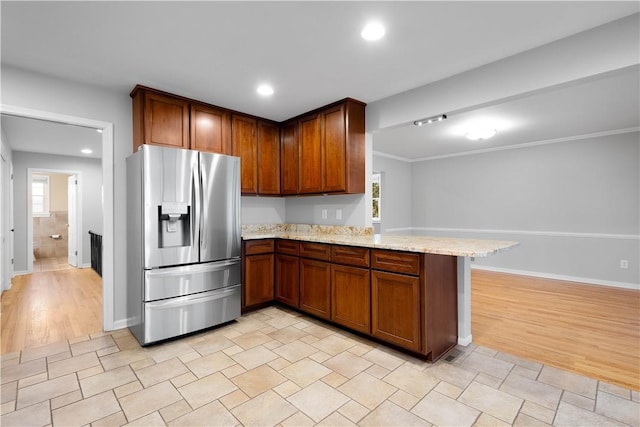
(21, 273)
(122, 323)
(465, 341)
(624, 285)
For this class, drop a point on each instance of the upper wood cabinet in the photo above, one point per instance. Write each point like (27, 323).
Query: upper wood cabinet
(172, 121)
(257, 143)
(268, 162)
(289, 166)
(159, 119)
(319, 152)
(310, 148)
(210, 129)
(332, 149)
(245, 146)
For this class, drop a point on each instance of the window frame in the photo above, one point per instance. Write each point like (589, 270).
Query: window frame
(44, 180)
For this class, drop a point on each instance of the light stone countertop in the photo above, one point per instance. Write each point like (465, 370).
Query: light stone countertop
(364, 237)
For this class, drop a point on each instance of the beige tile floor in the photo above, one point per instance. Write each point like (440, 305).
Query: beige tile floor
(278, 367)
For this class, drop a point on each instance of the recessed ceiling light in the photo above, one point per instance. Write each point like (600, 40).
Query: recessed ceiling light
(86, 151)
(480, 134)
(99, 130)
(373, 31)
(265, 90)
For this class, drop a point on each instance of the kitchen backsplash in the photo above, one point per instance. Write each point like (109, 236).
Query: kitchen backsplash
(307, 228)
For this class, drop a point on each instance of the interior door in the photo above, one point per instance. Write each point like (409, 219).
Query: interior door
(9, 259)
(3, 223)
(72, 232)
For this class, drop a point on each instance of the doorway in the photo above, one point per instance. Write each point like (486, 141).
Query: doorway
(55, 200)
(107, 195)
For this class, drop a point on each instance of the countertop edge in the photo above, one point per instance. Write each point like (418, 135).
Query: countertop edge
(419, 244)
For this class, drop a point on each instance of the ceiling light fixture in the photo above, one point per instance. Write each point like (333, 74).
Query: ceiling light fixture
(481, 134)
(265, 90)
(99, 130)
(430, 120)
(373, 31)
(86, 151)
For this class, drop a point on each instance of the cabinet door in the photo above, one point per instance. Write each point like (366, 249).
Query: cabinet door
(268, 163)
(166, 121)
(210, 129)
(310, 154)
(245, 146)
(289, 158)
(395, 309)
(315, 287)
(258, 286)
(334, 147)
(287, 284)
(351, 297)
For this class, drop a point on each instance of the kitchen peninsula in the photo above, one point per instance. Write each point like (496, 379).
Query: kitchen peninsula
(412, 292)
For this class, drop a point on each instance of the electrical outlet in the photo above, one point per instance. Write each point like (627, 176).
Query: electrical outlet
(624, 263)
(338, 213)
(324, 214)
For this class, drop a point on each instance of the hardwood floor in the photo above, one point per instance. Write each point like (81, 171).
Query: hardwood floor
(587, 329)
(50, 306)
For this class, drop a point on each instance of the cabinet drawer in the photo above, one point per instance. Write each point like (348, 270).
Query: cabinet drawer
(350, 255)
(319, 251)
(398, 262)
(288, 247)
(263, 246)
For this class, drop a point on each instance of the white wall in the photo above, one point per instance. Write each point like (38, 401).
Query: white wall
(45, 93)
(573, 206)
(397, 203)
(91, 170)
(263, 210)
(564, 231)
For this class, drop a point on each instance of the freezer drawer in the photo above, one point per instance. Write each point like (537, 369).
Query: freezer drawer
(177, 316)
(180, 281)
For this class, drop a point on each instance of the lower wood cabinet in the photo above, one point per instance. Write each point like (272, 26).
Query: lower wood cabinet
(395, 309)
(351, 297)
(315, 287)
(258, 272)
(287, 286)
(405, 299)
(258, 283)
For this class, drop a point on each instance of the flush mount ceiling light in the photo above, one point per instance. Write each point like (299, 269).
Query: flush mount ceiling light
(265, 90)
(86, 151)
(480, 134)
(373, 31)
(430, 120)
(99, 130)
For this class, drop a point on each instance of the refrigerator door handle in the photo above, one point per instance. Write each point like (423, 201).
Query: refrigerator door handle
(192, 269)
(192, 299)
(197, 206)
(203, 206)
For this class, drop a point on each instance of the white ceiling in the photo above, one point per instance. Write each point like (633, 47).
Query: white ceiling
(608, 104)
(311, 52)
(40, 136)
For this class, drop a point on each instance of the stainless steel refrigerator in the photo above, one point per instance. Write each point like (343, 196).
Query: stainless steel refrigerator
(183, 241)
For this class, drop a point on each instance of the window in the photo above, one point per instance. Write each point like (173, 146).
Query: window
(376, 196)
(40, 195)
